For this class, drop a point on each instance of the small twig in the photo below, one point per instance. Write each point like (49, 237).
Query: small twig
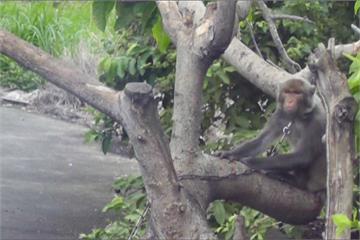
(274, 65)
(253, 39)
(291, 17)
(290, 64)
(355, 29)
(139, 221)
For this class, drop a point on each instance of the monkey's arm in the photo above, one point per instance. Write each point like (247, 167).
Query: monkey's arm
(257, 145)
(283, 162)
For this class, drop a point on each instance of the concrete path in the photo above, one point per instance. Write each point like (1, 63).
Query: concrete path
(53, 186)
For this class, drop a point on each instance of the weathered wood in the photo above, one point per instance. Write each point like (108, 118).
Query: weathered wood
(173, 214)
(340, 109)
(60, 73)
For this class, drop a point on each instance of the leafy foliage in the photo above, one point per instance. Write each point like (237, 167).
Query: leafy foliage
(354, 86)
(100, 12)
(129, 204)
(54, 28)
(343, 223)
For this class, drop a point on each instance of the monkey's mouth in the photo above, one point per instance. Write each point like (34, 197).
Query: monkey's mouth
(290, 108)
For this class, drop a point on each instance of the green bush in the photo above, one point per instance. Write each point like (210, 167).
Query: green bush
(52, 27)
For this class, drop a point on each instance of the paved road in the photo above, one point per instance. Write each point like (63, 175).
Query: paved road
(53, 186)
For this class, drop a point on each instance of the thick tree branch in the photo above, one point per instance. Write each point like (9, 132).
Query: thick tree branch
(60, 73)
(350, 48)
(212, 34)
(260, 73)
(172, 19)
(290, 65)
(197, 46)
(341, 110)
(265, 76)
(196, 8)
(173, 214)
(215, 178)
(223, 18)
(355, 29)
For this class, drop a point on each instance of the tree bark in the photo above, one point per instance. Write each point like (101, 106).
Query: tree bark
(173, 214)
(341, 110)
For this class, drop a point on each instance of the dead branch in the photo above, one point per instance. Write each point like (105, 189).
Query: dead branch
(254, 40)
(355, 29)
(340, 50)
(341, 110)
(60, 73)
(290, 65)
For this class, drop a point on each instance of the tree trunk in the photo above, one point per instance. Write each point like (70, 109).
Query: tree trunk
(340, 109)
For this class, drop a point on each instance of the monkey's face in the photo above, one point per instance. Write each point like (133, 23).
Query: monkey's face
(295, 97)
(292, 101)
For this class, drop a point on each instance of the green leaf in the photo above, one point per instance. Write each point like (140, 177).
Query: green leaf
(91, 136)
(124, 13)
(132, 217)
(162, 39)
(115, 204)
(132, 66)
(229, 69)
(100, 11)
(342, 223)
(142, 62)
(122, 66)
(106, 144)
(105, 64)
(357, 6)
(219, 212)
(224, 77)
(135, 49)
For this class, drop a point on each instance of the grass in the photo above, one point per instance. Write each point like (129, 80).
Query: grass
(55, 29)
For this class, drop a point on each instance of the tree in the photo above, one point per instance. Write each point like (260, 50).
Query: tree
(180, 180)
